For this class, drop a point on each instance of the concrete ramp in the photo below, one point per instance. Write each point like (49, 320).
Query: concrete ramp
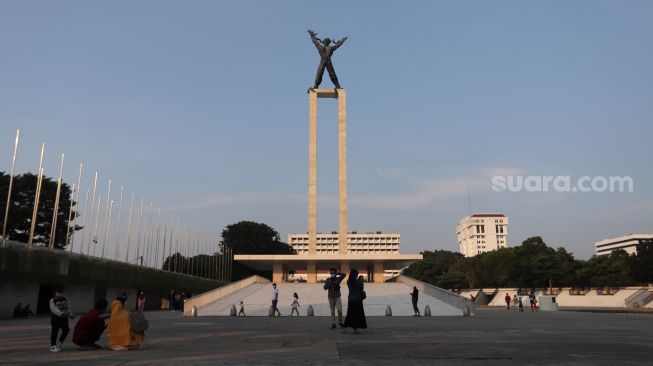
(257, 297)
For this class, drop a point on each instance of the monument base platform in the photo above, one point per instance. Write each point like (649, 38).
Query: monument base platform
(369, 265)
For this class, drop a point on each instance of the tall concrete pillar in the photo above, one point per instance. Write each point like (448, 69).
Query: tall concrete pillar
(345, 268)
(378, 272)
(342, 171)
(311, 272)
(277, 272)
(312, 172)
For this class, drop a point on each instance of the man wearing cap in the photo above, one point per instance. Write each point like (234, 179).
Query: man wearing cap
(332, 285)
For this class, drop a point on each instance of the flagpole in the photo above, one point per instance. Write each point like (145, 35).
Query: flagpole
(129, 229)
(11, 184)
(97, 223)
(90, 231)
(158, 237)
(70, 235)
(115, 257)
(55, 211)
(37, 195)
(81, 250)
(138, 230)
(107, 219)
(107, 227)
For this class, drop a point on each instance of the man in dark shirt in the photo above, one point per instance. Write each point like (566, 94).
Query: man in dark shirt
(90, 326)
(414, 297)
(332, 284)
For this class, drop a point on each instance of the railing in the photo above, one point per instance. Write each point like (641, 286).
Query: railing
(640, 298)
(451, 298)
(552, 292)
(578, 291)
(206, 298)
(606, 291)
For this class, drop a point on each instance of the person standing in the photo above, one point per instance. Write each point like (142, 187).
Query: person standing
(60, 313)
(414, 297)
(242, 309)
(514, 302)
(520, 303)
(332, 285)
(355, 312)
(275, 300)
(507, 300)
(295, 304)
(141, 301)
(90, 326)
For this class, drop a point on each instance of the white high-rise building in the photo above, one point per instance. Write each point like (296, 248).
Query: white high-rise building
(627, 242)
(482, 232)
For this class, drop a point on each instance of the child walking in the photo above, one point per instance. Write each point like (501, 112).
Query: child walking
(295, 304)
(60, 310)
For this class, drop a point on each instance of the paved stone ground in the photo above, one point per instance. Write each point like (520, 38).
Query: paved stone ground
(493, 337)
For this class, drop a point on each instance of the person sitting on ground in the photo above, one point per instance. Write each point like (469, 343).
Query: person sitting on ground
(18, 311)
(121, 337)
(295, 304)
(90, 326)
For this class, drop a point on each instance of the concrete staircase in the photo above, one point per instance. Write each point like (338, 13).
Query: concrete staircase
(257, 299)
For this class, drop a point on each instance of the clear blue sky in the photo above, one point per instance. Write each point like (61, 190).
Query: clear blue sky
(201, 106)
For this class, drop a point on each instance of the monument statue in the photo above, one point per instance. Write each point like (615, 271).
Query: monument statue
(325, 49)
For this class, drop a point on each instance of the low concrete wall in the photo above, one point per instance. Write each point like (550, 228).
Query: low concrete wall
(24, 271)
(214, 295)
(440, 294)
(13, 293)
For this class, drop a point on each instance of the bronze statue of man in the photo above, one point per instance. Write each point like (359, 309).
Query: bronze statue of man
(325, 49)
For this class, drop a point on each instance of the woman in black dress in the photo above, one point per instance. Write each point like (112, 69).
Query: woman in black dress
(355, 313)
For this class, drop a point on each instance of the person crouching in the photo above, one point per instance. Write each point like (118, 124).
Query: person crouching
(90, 326)
(121, 336)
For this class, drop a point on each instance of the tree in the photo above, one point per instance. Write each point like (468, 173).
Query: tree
(248, 237)
(19, 220)
(641, 263)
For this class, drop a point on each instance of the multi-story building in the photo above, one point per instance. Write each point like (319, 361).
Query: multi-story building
(627, 242)
(377, 243)
(482, 232)
(368, 243)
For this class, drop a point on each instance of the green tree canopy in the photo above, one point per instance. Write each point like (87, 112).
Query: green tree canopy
(533, 264)
(22, 204)
(248, 237)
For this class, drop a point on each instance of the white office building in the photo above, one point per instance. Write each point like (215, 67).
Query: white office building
(376, 244)
(627, 242)
(482, 232)
(368, 243)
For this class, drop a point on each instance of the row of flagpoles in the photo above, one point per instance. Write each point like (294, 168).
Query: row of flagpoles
(152, 234)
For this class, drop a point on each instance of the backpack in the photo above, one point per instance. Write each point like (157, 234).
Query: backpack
(138, 322)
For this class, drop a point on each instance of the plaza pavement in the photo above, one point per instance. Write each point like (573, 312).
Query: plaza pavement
(493, 337)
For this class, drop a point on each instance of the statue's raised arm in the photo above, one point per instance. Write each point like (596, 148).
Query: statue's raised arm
(316, 41)
(339, 43)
